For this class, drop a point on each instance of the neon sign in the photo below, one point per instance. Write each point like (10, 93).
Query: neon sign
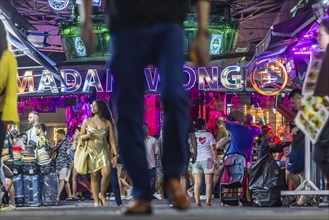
(269, 77)
(210, 79)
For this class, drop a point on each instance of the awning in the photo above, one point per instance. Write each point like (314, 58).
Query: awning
(284, 35)
(295, 26)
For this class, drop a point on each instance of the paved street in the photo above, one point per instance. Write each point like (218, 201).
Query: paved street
(84, 210)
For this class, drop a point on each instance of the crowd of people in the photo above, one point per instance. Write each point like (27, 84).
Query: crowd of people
(155, 168)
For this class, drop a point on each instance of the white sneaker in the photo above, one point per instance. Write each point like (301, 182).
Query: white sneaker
(128, 197)
(203, 197)
(157, 196)
(129, 191)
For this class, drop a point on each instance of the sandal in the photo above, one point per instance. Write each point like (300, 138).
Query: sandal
(305, 202)
(69, 199)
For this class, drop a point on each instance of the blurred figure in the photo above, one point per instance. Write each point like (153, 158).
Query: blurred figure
(43, 145)
(221, 131)
(190, 155)
(288, 133)
(76, 177)
(152, 151)
(321, 148)
(264, 148)
(8, 86)
(141, 36)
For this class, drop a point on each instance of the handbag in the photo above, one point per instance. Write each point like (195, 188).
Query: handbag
(80, 158)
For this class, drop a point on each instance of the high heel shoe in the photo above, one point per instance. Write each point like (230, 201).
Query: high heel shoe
(103, 201)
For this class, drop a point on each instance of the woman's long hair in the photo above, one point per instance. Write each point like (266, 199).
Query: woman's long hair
(103, 109)
(3, 37)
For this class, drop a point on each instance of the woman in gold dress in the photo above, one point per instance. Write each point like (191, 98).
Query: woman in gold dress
(98, 132)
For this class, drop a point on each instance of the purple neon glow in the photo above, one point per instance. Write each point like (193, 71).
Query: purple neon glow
(301, 53)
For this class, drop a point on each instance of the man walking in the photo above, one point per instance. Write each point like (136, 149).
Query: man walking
(145, 32)
(63, 163)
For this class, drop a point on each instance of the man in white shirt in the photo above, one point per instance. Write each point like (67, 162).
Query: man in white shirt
(152, 150)
(33, 120)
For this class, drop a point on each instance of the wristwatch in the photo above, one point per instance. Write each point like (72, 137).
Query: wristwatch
(116, 155)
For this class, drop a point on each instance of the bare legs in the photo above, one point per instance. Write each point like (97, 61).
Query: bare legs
(105, 171)
(74, 182)
(63, 183)
(208, 188)
(197, 187)
(296, 180)
(10, 188)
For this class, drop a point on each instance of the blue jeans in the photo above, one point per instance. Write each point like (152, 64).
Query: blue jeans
(133, 50)
(115, 185)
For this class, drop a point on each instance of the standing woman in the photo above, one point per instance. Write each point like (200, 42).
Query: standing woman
(8, 85)
(98, 132)
(207, 159)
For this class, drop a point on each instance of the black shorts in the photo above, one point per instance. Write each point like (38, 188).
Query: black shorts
(296, 160)
(8, 173)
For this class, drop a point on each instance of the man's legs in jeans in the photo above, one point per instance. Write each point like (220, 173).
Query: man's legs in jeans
(130, 50)
(115, 186)
(174, 98)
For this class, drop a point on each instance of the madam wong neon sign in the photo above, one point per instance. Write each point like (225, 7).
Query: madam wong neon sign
(229, 78)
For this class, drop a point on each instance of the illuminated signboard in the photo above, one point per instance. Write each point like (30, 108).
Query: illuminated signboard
(269, 77)
(84, 80)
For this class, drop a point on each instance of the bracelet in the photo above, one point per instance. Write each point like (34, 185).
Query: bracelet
(115, 155)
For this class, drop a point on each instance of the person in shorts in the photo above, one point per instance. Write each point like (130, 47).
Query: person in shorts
(206, 161)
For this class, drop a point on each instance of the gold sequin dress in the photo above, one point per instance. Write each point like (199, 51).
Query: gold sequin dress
(99, 151)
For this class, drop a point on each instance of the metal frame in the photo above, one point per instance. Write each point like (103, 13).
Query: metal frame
(307, 187)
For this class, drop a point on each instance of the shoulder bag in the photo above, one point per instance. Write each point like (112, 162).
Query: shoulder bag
(80, 158)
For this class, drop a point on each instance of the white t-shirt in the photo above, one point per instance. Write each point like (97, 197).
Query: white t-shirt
(151, 147)
(205, 141)
(31, 135)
